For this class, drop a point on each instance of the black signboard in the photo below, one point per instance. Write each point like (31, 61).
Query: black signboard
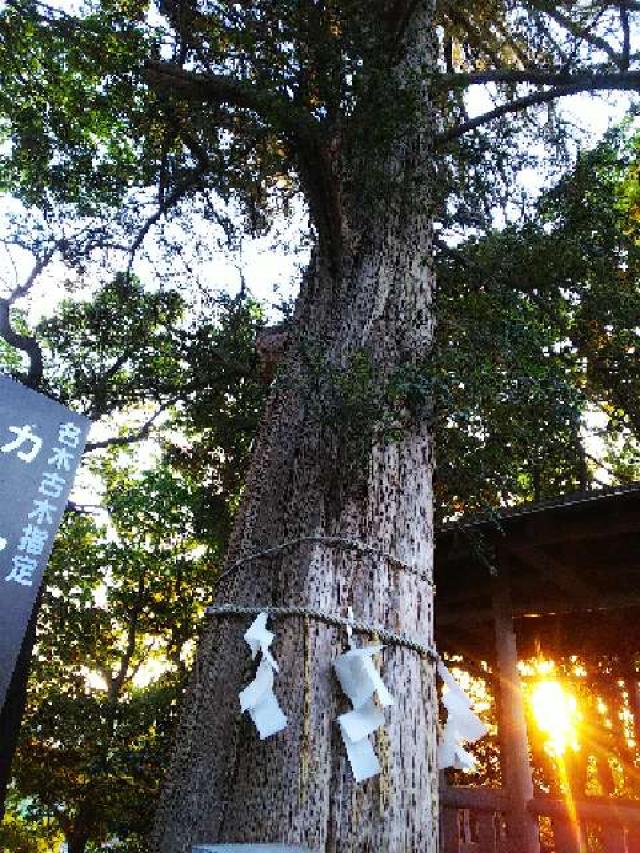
(41, 444)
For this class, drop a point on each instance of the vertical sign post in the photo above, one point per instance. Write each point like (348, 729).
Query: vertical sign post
(41, 444)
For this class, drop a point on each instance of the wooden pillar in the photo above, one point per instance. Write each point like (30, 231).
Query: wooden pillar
(517, 779)
(449, 820)
(633, 688)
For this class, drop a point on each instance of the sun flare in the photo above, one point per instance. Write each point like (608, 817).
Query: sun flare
(556, 715)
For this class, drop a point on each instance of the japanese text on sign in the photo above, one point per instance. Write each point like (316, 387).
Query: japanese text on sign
(41, 444)
(35, 536)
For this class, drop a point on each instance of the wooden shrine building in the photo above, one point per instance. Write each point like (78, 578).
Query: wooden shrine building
(559, 579)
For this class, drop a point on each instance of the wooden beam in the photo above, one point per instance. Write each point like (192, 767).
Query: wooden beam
(633, 689)
(602, 516)
(585, 522)
(613, 810)
(469, 616)
(551, 570)
(517, 779)
(480, 799)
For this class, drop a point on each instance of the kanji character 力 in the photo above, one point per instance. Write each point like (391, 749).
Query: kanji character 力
(69, 434)
(22, 571)
(43, 512)
(62, 458)
(52, 484)
(33, 539)
(23, 435)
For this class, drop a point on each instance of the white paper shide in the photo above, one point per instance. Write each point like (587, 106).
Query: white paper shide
(360, 680)
(258, 697)
(462, 725)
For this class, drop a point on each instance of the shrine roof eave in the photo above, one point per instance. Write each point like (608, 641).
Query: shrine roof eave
(575, 554)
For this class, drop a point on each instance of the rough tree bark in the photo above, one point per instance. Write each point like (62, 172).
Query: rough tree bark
(224, 783)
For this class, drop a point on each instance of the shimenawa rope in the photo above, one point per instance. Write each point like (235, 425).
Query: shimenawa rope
(329, 619)
(335, 541)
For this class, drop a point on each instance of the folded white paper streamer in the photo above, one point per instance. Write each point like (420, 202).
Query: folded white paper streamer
(462, 725)
(258, 697)
(360, 679)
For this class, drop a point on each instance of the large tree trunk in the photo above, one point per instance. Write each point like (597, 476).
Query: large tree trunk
(310, 478)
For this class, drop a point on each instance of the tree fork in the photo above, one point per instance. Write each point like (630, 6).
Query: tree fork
(304, 136)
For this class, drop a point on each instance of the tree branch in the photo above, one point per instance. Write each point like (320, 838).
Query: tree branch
(26, 343)
(123, 440)
(590, 80)
(301, 131)
(621, 478)
(36, 271)
(578, 32)
(535, 98)
(165, 205)
(626, 35)
(116, 682)
(83, 509)
(220, 89)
